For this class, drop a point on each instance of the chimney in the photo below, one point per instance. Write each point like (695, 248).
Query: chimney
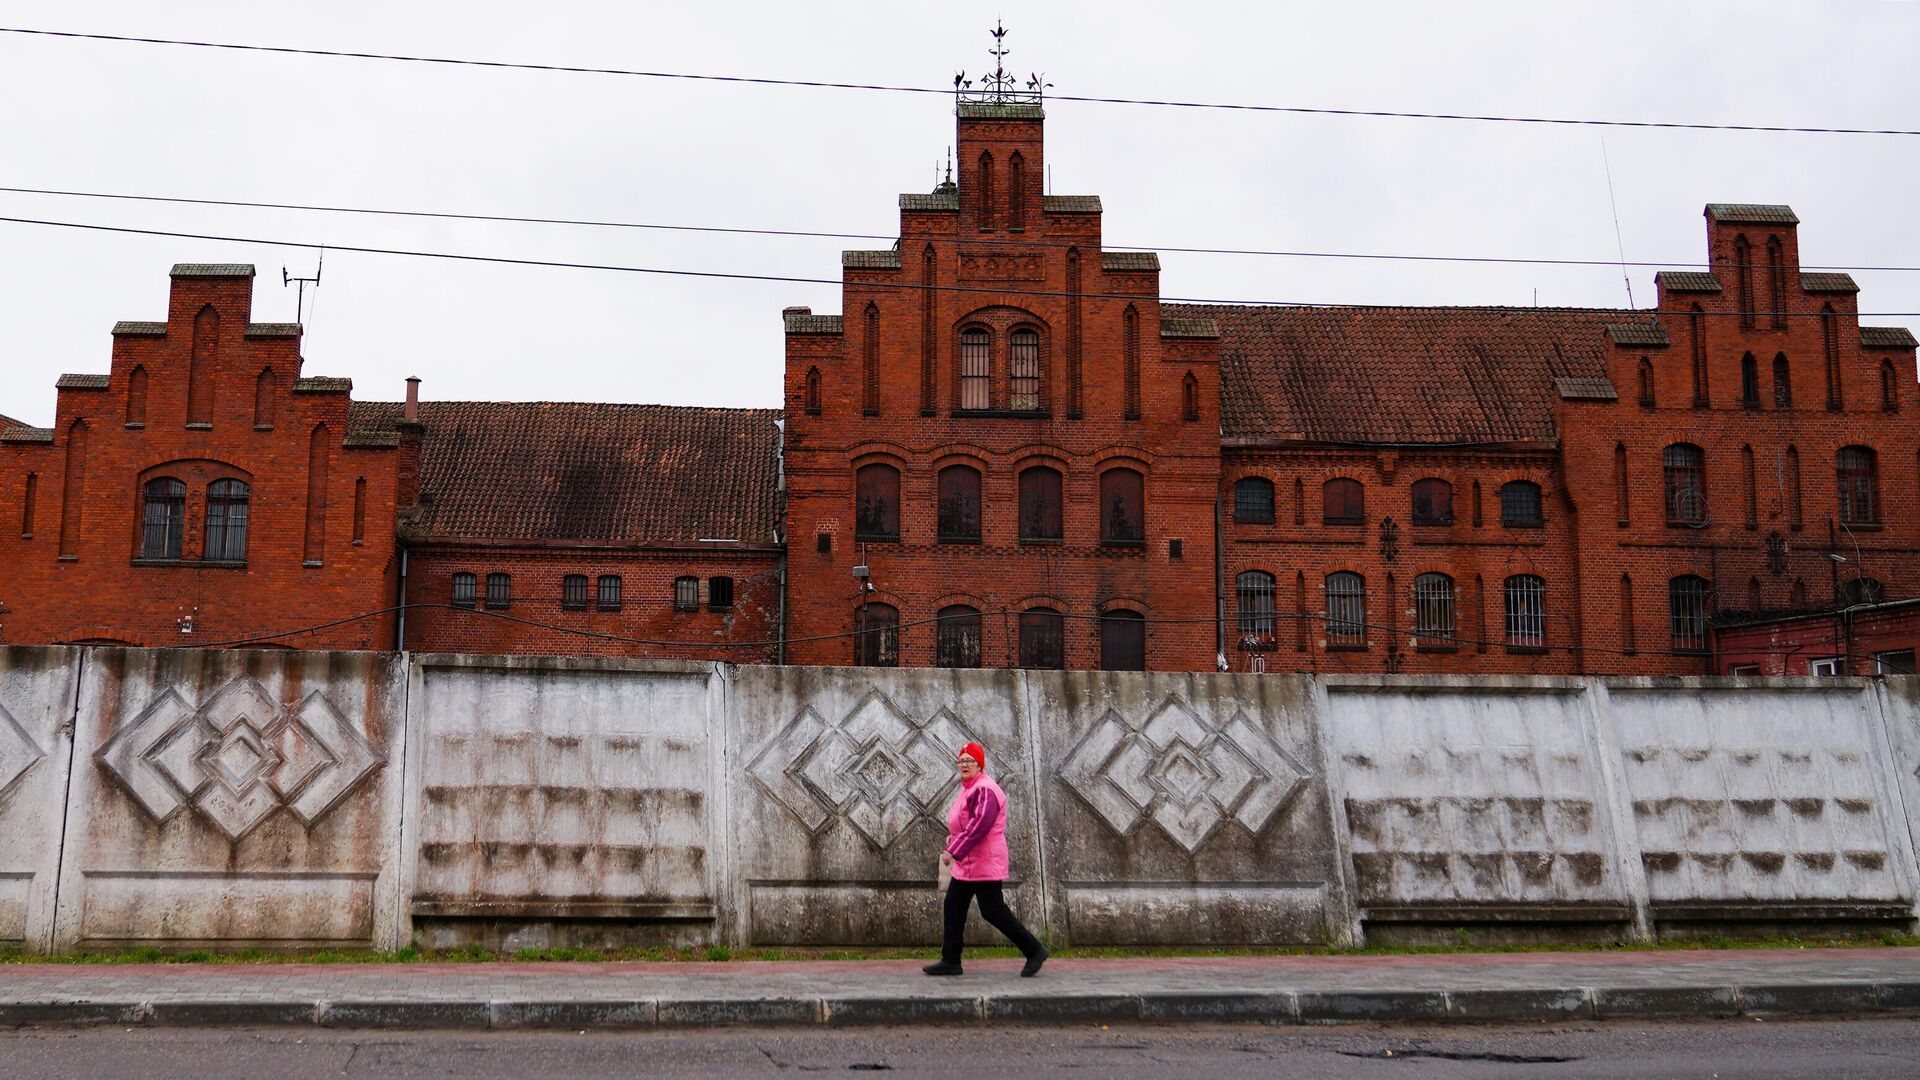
(411, 414)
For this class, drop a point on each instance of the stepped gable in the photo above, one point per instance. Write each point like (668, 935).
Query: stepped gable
(1413, 375)
(656, 474)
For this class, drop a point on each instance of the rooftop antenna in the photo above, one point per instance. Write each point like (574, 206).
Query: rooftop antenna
(1619, 243)
(300, 296)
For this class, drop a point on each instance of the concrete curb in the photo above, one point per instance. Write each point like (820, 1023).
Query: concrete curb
(1224, 1006)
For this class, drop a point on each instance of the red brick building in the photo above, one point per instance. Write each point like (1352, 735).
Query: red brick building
(1008, 451)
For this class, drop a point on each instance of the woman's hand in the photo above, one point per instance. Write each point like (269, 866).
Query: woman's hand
(946, 860)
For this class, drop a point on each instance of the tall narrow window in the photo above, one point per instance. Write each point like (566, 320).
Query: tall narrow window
(1023, 371)
(1253, 500)
(29, 491)
(1123, 641)
(1433, 619)
(1299, 611)
(1858, 469)
(1122, 508)
(812, 401)
(1343, 502)
(1698, 323)
(227, 520)
(1798, 597)
(1189, 397)
(870, 363)
(1646, 382)
(1753, 595)
(608, 595)
(1685, 468)
(499, 591)
(315, 548)
(719, 593)
(1040, 516)
(1043, 639)
(876, 513)
(1889, 387)
(1743, 277)
(957, 642)
(163, 518)
(1626, 614)
(1432, 502)
(73, 489)
(1777, 277)
(976, 369)
(573, 592)
(359, 509)
(1253, 600)
(1782, 382)
(463, 590)
(1346, 609)
(1622, 501)
(1016, 192)
(876, 640)
(1520, 505)
(1747, 483)
(1830, 341)
(986, 191)
(1074, 409)
(1526, 612)
(1687, 600)
(929, 332)
(1132, 360)
(959, 510)
(686, 593)
(263, 400)
(137, 396)
(1749, 382)
(1791, 481)
(1476, 504)
(200, 367)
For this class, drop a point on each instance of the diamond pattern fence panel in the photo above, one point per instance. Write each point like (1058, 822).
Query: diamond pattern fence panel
(37, 687)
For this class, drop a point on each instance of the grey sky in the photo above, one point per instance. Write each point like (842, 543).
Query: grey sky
(158, 120)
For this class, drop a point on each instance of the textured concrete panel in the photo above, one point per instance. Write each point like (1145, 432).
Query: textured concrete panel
(37, 687)
(237, 797)
(1764, 795)
(1899, 698)
(842, 781)
(563, 789)
(1460, 795)
(1185, 808)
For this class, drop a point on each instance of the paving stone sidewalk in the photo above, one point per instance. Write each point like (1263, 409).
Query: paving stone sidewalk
(1292, 989)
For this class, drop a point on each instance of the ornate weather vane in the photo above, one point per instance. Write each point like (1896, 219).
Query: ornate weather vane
(1000, 87)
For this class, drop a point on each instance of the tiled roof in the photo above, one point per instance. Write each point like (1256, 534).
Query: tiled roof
(1886, 337)
(589, 471)
(212, 269)
(27, 434)
(996, 110)
(1828, 283)
(371, 440)
(1398, 375)
(273, 329)
(1070, 204)
(912, 201)
(1752, 214)
(81, 382)
(128, 328)
(813, 324)
(8, 421)
(1129, 260)
(1687, 281)
(1645, 334)
(1574, 388)
(1188, 328)
(871, 260)
(323, 384)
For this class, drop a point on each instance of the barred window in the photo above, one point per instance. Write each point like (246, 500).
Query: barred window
(1687, 598)
(957, 644)
(1023, 368)
(227, 519)
(1253, 598)
(1433, 619)
(686, 593)
(609, 596)
(573, 593)
(1685, 466)
(1343, 502)
(876, 640)
(1040, 504)
(1526, 611)
(1857, 470)
(959, 510)
(499, 591)
(876, 512)
(1520, 504)
(976, 369)
(719, 593)
(1432, 502)
(1123, 641)
(463, 590)
(1253, 500)
(1042, 639)
(164, 518)
(1346, 608)
(1122, 508)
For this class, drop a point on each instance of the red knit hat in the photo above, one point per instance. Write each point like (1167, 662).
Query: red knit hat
(977, 752)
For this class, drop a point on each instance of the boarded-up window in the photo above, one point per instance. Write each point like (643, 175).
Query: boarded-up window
(1432, 502)
(959, 510)
(1042, 639)
(877, 503)
(957, 643)
(1343, 502)
(876, 640)
(976, 369)
(1122, 507)
(1123, 641)
(1040, 517)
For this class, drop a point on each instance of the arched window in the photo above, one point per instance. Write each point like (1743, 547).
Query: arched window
(1123, 641)
(464, 587)
(986, 191)
(1526, 611)
(1042, 639)
(1023, 371)
(1858, 471)
(200, 367)
(1749, 382)
(1646, 382)
(1520, 504)
(1253, 599)
(976, 369)
(876, 512)
(1743, 270)
(608, 597)
(1687, 599)
(137, 396)
(1432, 502)
(1253, 500)
(1754, 602)
(573, 592)
(1697, 323)
(499, 591)
(227, 520)
(876, 640)
(1040, 517)
(959, 510)
(1777, 276)
(1792, 482)
(1889, 387)
(1749, 487)
(1685, 466)
(1189, 397)
(1123, 508)
(870, 362)
(319, 455)
(1343, 502)
(1433, 610)
(1626, 614)
(1798, 598)
(1346, 609)
(1016, 192)
(163, 517)
(813, 391)
(686, 593)
(263, 400)
(1622, 503)
(1782, 382)
(1830, 342)
(1132, 361)
(957, 644)
(1861, 590)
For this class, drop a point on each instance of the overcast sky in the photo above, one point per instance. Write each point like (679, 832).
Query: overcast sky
(172, 121)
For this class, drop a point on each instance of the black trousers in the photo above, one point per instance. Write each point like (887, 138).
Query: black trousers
(993, 908)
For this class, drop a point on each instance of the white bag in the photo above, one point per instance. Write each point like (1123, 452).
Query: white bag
(946, 875)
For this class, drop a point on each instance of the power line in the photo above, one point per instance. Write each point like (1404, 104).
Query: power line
(444, 215)
(985, 290)
(1301, 110)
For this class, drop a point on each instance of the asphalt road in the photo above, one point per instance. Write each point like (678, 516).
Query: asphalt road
(1728, 1048)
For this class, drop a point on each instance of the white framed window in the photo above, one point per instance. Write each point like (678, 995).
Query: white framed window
(1827, 665)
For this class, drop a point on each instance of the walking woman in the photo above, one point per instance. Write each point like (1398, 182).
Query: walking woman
(977, 854)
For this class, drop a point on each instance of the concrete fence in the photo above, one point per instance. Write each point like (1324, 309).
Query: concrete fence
(299, 799)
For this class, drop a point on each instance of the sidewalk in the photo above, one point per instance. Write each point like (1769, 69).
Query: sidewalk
(1287, 989)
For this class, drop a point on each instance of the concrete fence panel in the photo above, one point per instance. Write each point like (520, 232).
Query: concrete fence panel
(233, 798)
(842, 778)
(1184, 808)
(37, 688)
(563, 801)
(1899, 698)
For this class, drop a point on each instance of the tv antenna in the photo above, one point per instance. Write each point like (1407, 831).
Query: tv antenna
(300, 297)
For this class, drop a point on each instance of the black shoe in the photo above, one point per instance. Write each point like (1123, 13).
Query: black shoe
(941, 968)
(1032, 967)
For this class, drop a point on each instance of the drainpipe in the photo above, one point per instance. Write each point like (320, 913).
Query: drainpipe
(780, 631)
(400, 627)
(1219, 595)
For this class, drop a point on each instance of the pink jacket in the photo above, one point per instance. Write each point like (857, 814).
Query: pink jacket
(977, 831)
